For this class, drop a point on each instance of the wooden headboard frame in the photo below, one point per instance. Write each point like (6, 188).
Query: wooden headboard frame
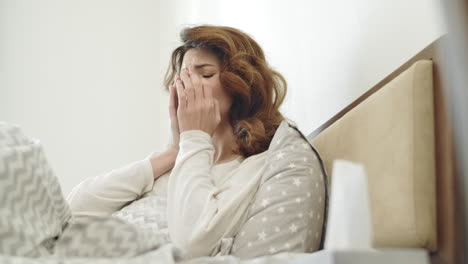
(449, 225)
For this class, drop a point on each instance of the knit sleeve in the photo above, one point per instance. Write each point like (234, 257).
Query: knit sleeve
(199, 213)
(106, 193)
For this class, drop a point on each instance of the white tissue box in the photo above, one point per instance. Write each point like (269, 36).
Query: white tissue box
(349, 220)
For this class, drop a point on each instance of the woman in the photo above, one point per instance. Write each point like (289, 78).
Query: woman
(224, 110)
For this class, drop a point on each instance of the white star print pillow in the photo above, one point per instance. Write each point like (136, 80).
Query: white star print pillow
(289, 208)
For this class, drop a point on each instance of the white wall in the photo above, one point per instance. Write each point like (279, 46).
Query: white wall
(329, 51)
(85, 76)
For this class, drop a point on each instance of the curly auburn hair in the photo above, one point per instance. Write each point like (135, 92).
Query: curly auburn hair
(256, 89)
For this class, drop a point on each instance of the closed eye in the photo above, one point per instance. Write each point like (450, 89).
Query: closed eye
(208, 76)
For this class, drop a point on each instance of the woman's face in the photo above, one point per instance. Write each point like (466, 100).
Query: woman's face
(207, 66)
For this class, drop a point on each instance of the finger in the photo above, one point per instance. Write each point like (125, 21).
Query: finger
(208, 93)
(197, 84)
(171, 97)
(181, 96)
(217, 111)
(176, 100)
(173, 102)
(188, 85)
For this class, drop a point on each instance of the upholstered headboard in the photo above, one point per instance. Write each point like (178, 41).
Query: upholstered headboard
(392, 134)
(399, 130)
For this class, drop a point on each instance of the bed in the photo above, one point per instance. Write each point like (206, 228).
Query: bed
(400, 132)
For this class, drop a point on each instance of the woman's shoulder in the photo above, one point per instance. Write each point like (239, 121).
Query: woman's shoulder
(286, 137)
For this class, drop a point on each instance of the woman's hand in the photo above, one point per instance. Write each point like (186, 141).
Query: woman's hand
(197, 109)
(173, 104)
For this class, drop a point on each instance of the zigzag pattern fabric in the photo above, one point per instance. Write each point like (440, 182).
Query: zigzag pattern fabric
(149, 214)
(36, 221)
(33, 211)
(106, 237)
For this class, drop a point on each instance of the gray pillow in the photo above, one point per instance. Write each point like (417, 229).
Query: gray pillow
(287, 214)
(33, 210)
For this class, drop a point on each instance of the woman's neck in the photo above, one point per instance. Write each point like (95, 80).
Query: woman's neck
(223, 141)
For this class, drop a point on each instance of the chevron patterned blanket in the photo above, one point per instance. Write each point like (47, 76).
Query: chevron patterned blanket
(35, 224)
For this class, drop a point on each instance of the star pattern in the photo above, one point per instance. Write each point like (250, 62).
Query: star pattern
(280, 155)
(272, 250)
(297, 182)
(293, 228)
(271, 167)
(293, 159)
